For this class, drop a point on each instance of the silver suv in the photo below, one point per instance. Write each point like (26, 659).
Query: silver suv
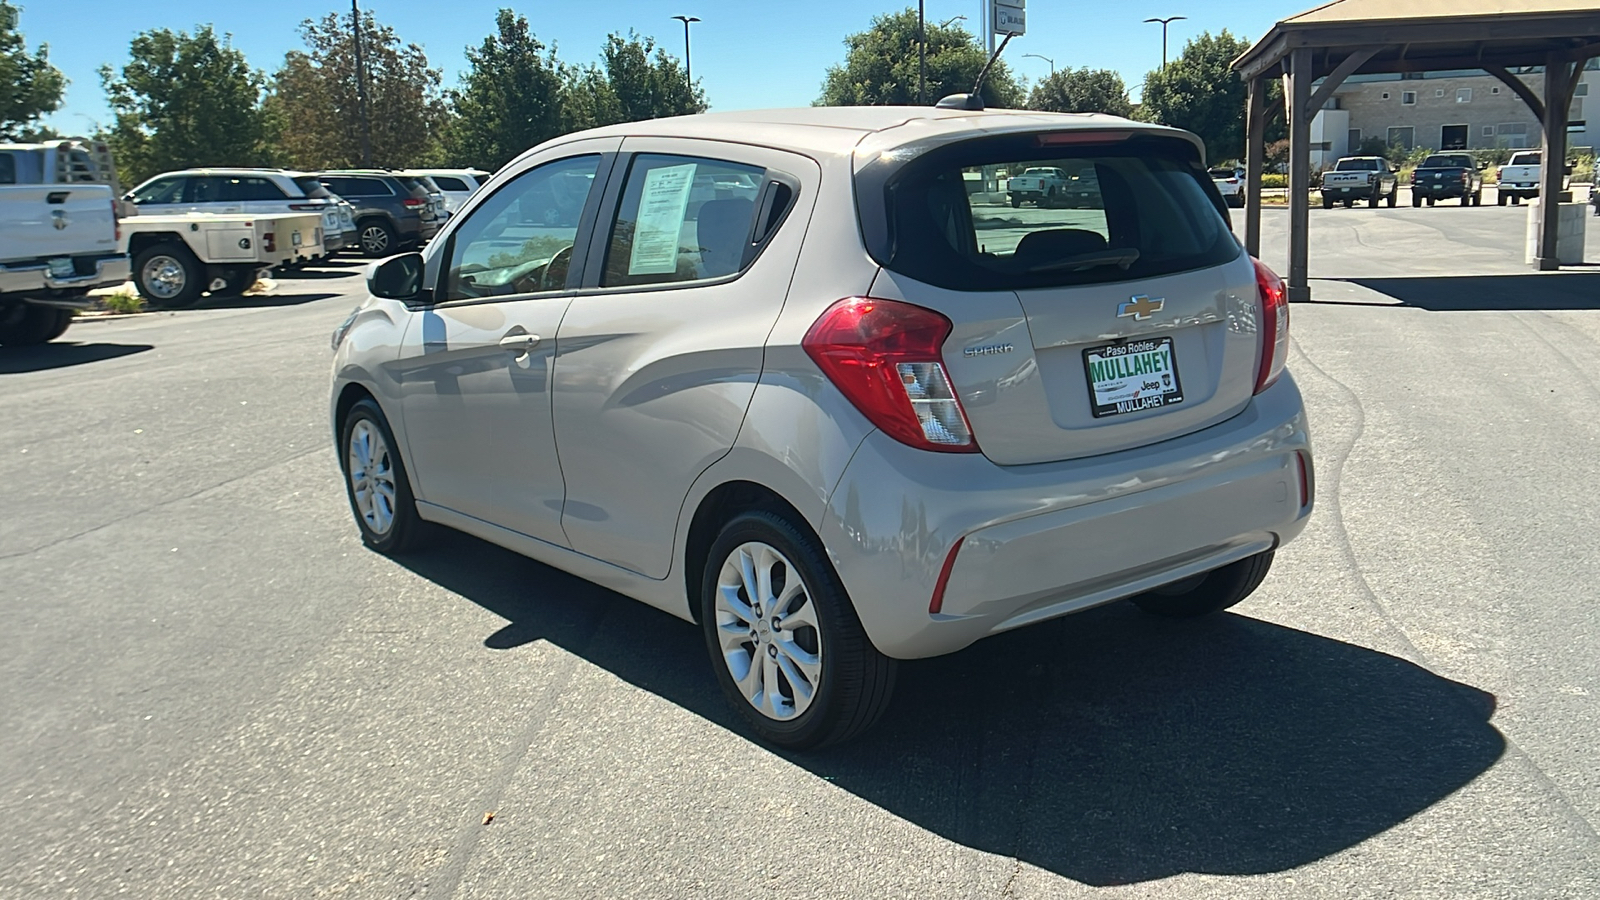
(807, 379)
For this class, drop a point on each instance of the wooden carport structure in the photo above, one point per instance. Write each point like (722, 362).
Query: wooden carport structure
(1350, 37)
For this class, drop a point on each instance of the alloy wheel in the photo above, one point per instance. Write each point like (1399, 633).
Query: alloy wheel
(767, 631)
(374, 239)
(371, 477)
(164, 277)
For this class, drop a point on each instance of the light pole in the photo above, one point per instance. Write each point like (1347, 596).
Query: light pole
(1164, 23)
(1046, 59)
(361, 88)
(946, 22)
(688, 70)
(922, 53)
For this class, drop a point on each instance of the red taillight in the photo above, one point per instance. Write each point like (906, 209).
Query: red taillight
(413, 203)
(1233, 181)
(937, 603)
(269, 242)
(1274, 326)
(884, 356)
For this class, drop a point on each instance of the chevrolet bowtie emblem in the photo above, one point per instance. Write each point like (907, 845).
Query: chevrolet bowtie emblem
(1140, 307)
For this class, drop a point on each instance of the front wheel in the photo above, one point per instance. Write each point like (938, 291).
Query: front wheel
(1212, 592)
(27, 324)
(375, 481)
(788, 650)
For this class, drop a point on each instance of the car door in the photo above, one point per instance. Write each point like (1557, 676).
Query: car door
(474, 366)
(661, 351)
(204, 194)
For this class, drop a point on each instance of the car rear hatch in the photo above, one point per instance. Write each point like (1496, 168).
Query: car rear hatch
(1082, 331)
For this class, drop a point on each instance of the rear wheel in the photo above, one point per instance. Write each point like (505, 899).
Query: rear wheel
(1393, 196)
(1212, 592)
(1431, 201)
(1500, 198)
(1349, 203)
(168, 276)
(377, 238)
(1327, 203)
(787, 647)
(375, 481)
(27, 324)
(1416, 199)
(1016, 202)
(1477, 197)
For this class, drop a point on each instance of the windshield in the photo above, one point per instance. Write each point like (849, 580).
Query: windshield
(1356, 165)
(1147, 208)
(1446, 162)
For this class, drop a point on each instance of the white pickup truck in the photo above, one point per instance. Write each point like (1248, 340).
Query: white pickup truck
(178, 257)
(58, 235)
(1040, 185)
(1519, 178)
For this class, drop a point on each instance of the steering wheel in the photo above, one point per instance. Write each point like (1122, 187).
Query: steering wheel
(554, 275)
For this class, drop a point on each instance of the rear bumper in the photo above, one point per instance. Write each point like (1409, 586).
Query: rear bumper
(35, 281)
(1041, 541)
(1440, 191)
(1348, 190)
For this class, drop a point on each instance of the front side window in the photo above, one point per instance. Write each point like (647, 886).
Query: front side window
(519, 241)
(164, 190)
(1132, 210)
(682, 219)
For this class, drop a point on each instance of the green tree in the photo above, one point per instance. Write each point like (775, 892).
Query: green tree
(510, 99)
(1199, 92)
(880, 67)
(635, 81)
(314, 103)
(29, 86)
(185, 100)
(1082, 90)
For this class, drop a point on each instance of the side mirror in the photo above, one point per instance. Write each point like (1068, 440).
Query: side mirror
(396, 278)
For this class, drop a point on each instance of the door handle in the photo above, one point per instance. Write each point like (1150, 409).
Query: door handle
(519, 342)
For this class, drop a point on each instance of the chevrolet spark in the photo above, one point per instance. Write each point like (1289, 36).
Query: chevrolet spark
(807, 379)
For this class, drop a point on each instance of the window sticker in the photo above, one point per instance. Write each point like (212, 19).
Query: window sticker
(663, 202)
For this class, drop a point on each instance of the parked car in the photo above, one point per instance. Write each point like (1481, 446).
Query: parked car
(1518, 179)
(179, 256)
(1445, 175)
(1353, 178)
(241, 190)
(457, 184)
(345, 238)
(436, 210)
(1039, 185)
(1230, 184)
(992, 428)
(390, 216)
(58, 235)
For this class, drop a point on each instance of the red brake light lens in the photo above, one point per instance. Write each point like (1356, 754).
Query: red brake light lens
(413, 202)
(269, 242)
(1274, 326)
(884, 356)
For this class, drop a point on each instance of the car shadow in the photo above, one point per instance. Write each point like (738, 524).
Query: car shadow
(1108, 747)
(258, 301)
(319, 273)
(61, 354)
(1480, 293)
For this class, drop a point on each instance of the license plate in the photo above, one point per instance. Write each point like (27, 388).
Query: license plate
(1132, 376)
(60, 267)
(294, 238)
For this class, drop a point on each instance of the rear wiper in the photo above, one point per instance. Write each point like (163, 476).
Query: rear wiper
(1124, 257)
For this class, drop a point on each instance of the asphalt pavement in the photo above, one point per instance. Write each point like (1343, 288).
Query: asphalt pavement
(209, 689)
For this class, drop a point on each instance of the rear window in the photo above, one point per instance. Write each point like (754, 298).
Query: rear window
(1447, 162)
(1134, 209)
(1356, 165)
(1224, 173)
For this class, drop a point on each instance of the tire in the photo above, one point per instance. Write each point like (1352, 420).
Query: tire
(168, 276)
(29, 324)
(1016, 203)
(1372, 201)
(389, 524)
(1327, 203)
(1349, 203)
(1466, 199)
(1500, 198)
(1416, 199)
(376, 238)
(1394, 196)
(1430, 201)
(1477, 197)
(1052, 199)
(1210, 593)
(851, 683)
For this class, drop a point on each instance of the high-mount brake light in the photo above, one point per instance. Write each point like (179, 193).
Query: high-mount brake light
(884, 356)
(1274, 325)
(1057, 138)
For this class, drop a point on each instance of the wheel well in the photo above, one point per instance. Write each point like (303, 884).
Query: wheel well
(374, 217)
(144, 240)
(717, 509)
(351, 395)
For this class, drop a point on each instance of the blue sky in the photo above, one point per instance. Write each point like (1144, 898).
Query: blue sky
(747, 53)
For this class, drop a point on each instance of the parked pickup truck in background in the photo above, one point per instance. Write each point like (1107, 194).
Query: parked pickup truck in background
(176, 258)
(1355, 178)
(1445, 175)
(1519, 177)
(58, 235)
(1040, 185)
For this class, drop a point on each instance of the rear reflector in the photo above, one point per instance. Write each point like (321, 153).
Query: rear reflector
(944, 579)
(1274, 326)
(1305, 480)
(884, 356)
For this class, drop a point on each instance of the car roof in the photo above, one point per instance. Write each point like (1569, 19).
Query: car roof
(843, 130)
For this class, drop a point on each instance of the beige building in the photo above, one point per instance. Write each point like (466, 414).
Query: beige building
(1460, 110)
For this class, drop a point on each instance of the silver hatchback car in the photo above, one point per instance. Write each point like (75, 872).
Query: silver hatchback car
(805, 378)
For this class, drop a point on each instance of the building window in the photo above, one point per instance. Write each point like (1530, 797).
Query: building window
(1513, 136)
(1402, 136)
(1385, 95)
(1494, 90)
(1488, 131)
(1582, 90)
(1464, 95)
(1408, 98)
(1453, 137)
(1353, 140)
(1438, 92)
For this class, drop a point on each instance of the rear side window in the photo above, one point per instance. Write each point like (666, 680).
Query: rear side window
(8, 169)
(204, 189)
(249, 187)
(358, 187)
(682, 219)
(313, 188)
(449, 183)
(1129, 209)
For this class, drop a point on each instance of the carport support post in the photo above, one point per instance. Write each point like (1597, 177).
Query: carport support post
(1298, 91)
(1255, 145)
(1553, 163)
